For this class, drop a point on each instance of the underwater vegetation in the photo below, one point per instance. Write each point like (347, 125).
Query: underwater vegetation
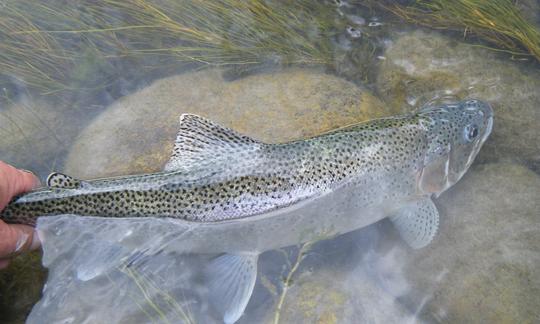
(159, 306)
(497, 21)
(56, 46)
(288, 279)
(27, 55)
(154, 298)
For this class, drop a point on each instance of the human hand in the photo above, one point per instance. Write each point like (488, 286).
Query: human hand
(15, 238)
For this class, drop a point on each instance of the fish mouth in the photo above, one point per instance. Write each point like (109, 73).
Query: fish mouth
(489, 127)
(486, 111)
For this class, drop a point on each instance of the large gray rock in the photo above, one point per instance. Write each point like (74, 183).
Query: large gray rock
(420, 65)
(351, 296)
(480, 268)
(483, 265)
(136, 134)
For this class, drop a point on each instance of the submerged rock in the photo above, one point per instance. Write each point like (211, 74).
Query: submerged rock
(136, 134)
(483, 265)
(330, 297)
(422, 65)
(530, 9)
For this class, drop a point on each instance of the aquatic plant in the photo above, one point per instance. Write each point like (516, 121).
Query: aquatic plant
(497, 21)
(153, 301)
(227, 31)
(27, 56)
(287, 281)
(54, 46)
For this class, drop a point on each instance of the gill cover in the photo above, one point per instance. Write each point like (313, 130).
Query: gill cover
(433, 178)
(455, 133)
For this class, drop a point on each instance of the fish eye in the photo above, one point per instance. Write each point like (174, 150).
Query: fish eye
(470, 132)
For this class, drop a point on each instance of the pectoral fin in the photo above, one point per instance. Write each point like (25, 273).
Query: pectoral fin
(231, 280)
(417, 222)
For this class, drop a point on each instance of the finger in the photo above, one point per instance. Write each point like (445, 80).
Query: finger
(32, 241)
(27, 181)
(16, 239)
(13, 182)
(4, 263)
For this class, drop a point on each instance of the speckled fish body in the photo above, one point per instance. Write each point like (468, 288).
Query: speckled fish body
(226, 185)
(223, 192)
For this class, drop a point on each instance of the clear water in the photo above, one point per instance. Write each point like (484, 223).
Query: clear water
(119, 116)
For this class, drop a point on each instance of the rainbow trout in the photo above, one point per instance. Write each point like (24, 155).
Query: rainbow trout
(238, 196)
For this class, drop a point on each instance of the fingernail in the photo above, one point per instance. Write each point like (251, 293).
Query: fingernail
(21, 241)
(36, 243)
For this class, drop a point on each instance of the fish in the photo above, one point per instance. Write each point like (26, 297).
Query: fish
(240, 197)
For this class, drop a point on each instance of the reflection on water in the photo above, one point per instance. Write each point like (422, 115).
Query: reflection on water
(480, 267)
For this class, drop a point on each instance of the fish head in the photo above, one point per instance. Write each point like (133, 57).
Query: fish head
(455, 132)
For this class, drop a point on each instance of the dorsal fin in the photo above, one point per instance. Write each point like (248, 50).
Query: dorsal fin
(200, 141)
(59, 180)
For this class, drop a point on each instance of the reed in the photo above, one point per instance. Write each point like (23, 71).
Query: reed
(497, 21)
(55, 46)
(33, 58)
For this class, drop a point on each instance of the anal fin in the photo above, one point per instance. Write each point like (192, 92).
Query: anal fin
(231, 280)
(417, 222)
